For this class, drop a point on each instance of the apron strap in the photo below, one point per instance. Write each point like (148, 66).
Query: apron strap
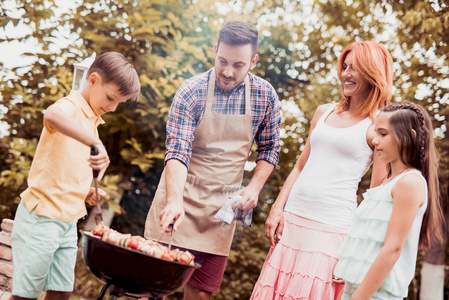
(210, 92)
(247, 96)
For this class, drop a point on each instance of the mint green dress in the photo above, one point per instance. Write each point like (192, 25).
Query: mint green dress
(365, 238)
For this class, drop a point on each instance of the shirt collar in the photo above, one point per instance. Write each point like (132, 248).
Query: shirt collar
(85, 107)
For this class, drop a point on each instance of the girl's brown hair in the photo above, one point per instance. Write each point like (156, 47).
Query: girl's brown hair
(413, 130)
(375, 64)
(114, 67)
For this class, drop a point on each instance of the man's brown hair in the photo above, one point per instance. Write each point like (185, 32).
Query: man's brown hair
(237, 33)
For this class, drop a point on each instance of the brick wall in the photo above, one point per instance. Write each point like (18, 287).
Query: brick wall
(6, 255)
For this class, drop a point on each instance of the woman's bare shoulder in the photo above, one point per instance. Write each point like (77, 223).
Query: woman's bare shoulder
(322, 109)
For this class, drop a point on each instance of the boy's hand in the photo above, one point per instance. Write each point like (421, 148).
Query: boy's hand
(100, 161)
(91, 198)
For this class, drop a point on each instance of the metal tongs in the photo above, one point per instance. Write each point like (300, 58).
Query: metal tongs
(97, 211)
(171, 235)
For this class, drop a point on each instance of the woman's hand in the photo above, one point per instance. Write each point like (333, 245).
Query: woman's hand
(274, 226)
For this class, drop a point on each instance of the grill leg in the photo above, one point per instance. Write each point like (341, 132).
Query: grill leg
(103, 292)
(115, 291)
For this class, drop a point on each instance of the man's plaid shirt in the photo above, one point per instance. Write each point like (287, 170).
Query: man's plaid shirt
(188, 108)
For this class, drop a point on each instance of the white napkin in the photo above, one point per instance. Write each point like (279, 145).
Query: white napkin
(227, 214)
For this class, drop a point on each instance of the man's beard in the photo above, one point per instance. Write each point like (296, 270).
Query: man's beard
(228, 87)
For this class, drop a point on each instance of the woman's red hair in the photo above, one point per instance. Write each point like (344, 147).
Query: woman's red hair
(374, 63)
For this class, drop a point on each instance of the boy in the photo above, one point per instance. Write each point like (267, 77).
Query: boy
(44, 236)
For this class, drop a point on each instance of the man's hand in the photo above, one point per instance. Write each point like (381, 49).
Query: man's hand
(250, 196)
(172, 211)
(100, 161)
(91, 198)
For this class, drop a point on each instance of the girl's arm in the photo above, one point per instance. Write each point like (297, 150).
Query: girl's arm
(409, 193)
(275, 218)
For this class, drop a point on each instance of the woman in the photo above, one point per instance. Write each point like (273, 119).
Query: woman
(308, 221)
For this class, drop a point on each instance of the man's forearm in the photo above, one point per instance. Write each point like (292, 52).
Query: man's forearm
(175, 179)
(261, 174)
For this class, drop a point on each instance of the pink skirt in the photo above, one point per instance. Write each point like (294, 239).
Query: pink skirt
(301, 264)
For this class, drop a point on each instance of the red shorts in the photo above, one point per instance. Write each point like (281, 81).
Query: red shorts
(210, 275)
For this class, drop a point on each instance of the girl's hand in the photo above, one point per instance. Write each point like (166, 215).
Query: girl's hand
(274, 226)
(91, 198)
(337, 280)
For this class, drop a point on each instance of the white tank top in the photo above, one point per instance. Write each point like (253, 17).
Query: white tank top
(326, 188)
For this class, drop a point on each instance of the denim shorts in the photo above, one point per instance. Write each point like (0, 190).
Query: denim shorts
(44, 254)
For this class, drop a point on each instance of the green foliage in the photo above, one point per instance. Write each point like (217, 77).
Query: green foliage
(170, 41)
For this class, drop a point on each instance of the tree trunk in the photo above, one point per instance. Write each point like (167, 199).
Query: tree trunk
(432, 273)
(433, 267)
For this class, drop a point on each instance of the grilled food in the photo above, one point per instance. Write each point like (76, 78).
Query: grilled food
(139, 243)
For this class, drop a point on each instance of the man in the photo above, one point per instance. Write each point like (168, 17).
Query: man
(213, 121)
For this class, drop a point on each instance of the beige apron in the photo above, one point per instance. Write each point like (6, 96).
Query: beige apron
(220, 150)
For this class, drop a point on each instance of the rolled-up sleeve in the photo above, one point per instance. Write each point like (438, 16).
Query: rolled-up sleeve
(180, 127)
(267, 138)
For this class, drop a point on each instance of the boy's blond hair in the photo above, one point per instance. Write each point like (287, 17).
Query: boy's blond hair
(115, 68)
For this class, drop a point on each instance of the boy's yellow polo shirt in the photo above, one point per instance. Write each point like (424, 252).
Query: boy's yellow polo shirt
(60, 176)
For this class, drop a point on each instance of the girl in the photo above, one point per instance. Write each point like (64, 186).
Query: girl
(379, 254)
(308, 221)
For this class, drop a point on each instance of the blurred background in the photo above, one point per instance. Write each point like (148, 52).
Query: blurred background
(169, 41)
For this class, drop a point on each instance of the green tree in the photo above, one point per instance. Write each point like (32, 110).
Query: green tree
(25, 96)
(170, 41)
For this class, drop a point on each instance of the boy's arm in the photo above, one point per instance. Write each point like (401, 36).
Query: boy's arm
(59, 121)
